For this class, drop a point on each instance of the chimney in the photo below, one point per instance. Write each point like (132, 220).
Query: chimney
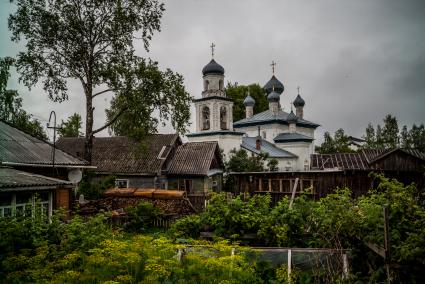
(258, 144)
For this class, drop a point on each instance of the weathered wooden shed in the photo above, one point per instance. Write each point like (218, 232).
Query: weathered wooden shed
(330, 171)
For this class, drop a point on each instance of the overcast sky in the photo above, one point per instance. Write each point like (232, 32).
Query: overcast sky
(355, 61)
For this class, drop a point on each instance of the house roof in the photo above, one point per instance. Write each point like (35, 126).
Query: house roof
(267, 117)
(14, 180)
(123, 155)
(292, 137)
(356, 161)
(249, 143)
(194, 158)
(20, 148)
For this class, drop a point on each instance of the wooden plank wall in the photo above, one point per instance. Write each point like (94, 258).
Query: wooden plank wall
(280, 184)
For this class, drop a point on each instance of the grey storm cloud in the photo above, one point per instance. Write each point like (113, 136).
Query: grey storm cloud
(355, 61)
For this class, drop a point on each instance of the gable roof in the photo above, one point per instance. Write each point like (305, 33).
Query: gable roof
(20, 148)
(267, 116)
(250, 143)
(14, 180)
(292, 137)
(362, 160)
(123, 155)
(194, 158)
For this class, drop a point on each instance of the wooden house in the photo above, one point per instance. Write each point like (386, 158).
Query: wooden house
(196, 168)
(27, 171)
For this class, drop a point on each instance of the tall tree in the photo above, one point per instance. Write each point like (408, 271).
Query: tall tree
(92, 41)
(336, 144)
(369, 137)
(390, 131)
(379, 138)
(238, 93)
(11, 105)
(71, 127)
(417, 136)
(405, 141)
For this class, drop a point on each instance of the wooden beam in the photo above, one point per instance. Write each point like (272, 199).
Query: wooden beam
(293, 193)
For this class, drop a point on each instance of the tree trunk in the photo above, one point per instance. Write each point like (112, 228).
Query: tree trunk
(88, 145)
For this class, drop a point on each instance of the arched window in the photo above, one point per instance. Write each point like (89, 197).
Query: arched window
(223, 118)
(206, 84)
(220, 85)
(205, 118)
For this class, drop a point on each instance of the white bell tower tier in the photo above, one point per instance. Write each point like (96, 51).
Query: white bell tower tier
(214, 111)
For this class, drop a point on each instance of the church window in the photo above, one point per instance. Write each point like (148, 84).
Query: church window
(220, 85)
(205, 118)
(223, 118)
(264, 134)
(206, 84)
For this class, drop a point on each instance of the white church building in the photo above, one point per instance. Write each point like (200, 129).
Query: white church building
(286, 137)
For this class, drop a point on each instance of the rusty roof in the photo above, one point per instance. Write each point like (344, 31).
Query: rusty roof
(361, 160)
(20, 148)
(13, 180)
(195, 158)
(124, 155)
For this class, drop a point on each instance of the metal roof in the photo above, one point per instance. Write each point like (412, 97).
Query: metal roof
(13, 180)
(299, 101)
(362, 160)
(195, 158)
(250, 143)
(267, 117)
(275, 84)
(292, 137)
(123, 155)
(213, 68)
(20, 148)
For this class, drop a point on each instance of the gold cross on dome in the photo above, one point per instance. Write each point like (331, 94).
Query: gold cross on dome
(273, 65)
(212, 49)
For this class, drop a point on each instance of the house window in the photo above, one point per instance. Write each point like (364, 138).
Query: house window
(121, 183)
(25, 204)
(162, 154)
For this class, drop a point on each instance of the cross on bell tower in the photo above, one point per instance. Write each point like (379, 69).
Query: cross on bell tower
(212, 49)
(273, 65)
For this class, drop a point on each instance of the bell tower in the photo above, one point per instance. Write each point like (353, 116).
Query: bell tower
(214, 111)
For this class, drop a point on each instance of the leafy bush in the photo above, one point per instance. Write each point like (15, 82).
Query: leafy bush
(142, 216)
(189, 226)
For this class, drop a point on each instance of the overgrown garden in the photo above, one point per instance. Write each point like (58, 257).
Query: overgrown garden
(93, 251)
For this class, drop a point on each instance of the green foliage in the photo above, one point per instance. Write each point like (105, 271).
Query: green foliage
(336, 144)
(189, 226)
(92, 187)
(142, 216)
(11, 105)
(272, 165)
(71, 127)
(144, 89)
(389, 135)
(240, 161)
(238, 93)
(92, 42)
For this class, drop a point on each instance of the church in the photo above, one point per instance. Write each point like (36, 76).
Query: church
(286, 137)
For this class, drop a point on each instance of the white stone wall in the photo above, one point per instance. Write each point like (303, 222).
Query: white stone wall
(302, 149)
(226, 142)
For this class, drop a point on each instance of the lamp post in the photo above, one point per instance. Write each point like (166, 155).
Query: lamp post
(54, 137)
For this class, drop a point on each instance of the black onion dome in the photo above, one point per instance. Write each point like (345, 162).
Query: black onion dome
(299, 101)
(274, 82)
(292, 117)
(213, 68)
